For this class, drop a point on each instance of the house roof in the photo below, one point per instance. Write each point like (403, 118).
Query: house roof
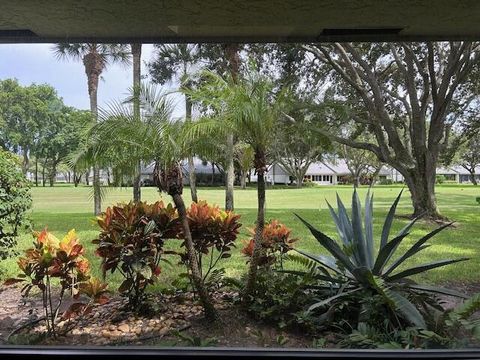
(200, 167)
(453, 170)
(328, 168)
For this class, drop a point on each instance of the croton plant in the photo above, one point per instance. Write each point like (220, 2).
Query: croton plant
(214, 232)
(63, 260)
(131, 242)
(276, 242)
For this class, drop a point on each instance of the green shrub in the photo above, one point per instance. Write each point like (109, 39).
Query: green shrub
(385, 182)
(15, 201)
(282, 299)
(131, 242)
(440, 179)
(478, 200)
(361, 285)
(308, 183)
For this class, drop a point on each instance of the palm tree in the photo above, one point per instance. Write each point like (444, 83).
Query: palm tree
(233, 59)
(171, 60)
(153, 137)
(244, 156)
(136, 49)
(95, 58)
(249, 109)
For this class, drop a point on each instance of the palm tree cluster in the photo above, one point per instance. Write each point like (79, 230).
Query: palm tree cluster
(142, 129)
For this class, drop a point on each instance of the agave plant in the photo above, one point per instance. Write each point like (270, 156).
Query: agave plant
(356, 270)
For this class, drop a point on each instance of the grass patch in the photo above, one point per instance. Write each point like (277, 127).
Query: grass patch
(64, 207)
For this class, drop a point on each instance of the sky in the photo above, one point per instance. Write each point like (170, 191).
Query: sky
(36, 63)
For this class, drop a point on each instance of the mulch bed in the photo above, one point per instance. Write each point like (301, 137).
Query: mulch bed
(111, 324)
(178, 321)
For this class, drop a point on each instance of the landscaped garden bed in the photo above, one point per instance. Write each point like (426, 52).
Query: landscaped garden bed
(356, 297)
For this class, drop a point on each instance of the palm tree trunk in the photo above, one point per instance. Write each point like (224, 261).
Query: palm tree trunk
(191, 165)
(231, 52)
(171, 181)
(93, 69)
(260, 165)
(229, 204)
(136, 55)
(213, 174)
(209, 309)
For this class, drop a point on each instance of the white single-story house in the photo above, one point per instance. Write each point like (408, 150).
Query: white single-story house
(321, 173)
(458, 174)
(329, 173)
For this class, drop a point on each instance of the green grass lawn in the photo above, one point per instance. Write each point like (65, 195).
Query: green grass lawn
(64, 207)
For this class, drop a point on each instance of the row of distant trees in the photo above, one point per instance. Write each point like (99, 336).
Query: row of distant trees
(410, 106)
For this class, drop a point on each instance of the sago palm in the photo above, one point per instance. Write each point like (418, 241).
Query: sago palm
(95, 58)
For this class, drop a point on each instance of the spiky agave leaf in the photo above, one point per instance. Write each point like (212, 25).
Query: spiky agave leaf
(418, 246)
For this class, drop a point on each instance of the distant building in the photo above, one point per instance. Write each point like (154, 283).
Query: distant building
(320, 173)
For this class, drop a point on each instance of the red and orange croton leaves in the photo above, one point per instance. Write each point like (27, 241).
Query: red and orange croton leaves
(276, 241)
(131, 242)
(212, 227)
(61, 259)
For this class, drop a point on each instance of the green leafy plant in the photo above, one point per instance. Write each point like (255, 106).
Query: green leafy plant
(458, 322)
(478, 200)
(355, 274)
(15, 201)
(195, 340)
(281, 299)
(63, 260)
(440, 179)
(371, 337)
(131, 242)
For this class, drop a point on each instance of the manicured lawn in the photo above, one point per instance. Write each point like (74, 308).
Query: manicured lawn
(63, 207)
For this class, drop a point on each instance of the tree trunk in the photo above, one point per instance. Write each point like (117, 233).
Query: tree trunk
(300, 181)
(422, 190)
(26, 160)
(76, 179)
(231, 52)
(109, 182)
(212, 182)
(137, 73)
(209, 309)
(36, 172)
(243, 179)
(171, 181)
(93, 69)
(472, 178)
(229, 204)
(260, 165)
(191, 165)
(356, 180)
(53, 174)
(87, 177)
(43, 174)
